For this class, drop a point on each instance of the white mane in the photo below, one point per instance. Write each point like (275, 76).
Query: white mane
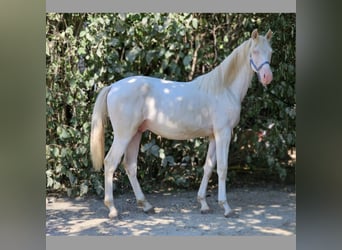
(224, 74)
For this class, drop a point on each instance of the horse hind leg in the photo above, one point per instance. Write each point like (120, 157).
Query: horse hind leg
(111, 162)
(130, 163)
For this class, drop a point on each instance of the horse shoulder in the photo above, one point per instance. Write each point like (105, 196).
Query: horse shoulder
(226, 111)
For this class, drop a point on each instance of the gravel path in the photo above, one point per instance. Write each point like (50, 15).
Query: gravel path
(259, 211)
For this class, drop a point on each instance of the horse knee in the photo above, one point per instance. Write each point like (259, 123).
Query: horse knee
(222, 172)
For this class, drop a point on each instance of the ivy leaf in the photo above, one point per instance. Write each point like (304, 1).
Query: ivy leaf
(90, 37)
(155, 150)
(168, 54)
(132, 54)
(62, 132)
(194, 23)
(81, 51)
(186, 60)
(71, 177)
(149, 56)
(49, 182)
(83, 189)
(161, 153)
(99, 52)
(55, 152)
(83, 33)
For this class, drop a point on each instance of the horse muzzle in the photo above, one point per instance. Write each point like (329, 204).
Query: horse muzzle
(263, 71)
(265, 76)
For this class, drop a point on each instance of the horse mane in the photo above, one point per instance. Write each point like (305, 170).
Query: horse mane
(223, 75)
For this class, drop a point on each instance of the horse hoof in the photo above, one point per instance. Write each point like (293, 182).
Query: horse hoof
(150, 211)
(148, 208)
(231, 214)
(113, 214)
(206, 211)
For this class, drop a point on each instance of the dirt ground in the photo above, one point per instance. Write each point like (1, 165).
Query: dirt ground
(259, 211)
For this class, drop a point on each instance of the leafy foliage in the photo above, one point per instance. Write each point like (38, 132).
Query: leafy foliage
(85, 52)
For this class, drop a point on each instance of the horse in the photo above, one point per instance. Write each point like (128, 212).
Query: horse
(208, 106)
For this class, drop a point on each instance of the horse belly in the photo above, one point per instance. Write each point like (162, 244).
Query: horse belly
(175, 130)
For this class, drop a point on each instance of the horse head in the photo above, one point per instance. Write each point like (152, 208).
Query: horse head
(260, 56)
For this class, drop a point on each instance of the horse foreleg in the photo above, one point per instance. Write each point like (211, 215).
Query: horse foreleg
(130, 162)
(111, 162)
(208, 169)
(222, 147)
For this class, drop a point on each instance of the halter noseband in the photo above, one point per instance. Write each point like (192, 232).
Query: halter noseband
(256, 68)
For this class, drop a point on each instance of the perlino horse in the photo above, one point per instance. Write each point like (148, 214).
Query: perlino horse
(209, 106)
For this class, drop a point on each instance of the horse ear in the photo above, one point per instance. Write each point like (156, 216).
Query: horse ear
(255, 34)
(269, 35)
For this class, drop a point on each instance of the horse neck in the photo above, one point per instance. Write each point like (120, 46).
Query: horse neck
(237, 71)
(242, 81)
(234, 74)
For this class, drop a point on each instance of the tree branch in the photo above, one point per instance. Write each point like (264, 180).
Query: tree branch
(194, 60)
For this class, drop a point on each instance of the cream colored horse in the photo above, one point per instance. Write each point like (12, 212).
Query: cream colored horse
(208, 106)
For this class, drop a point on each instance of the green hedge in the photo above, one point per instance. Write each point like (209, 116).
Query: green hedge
(85, 52)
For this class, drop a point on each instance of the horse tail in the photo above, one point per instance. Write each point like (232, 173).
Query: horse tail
(98, 120)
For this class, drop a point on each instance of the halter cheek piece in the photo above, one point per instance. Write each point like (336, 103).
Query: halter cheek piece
(256, 68)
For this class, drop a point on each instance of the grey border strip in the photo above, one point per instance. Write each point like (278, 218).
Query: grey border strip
(165, 243)
(265, 6)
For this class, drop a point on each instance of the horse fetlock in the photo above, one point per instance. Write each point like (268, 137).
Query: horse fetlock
(224, 204)
(204, 206)
(108, 203)
(147, 207)
(200, 198)
(113, 213)
(141, 203)
(227, 209)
